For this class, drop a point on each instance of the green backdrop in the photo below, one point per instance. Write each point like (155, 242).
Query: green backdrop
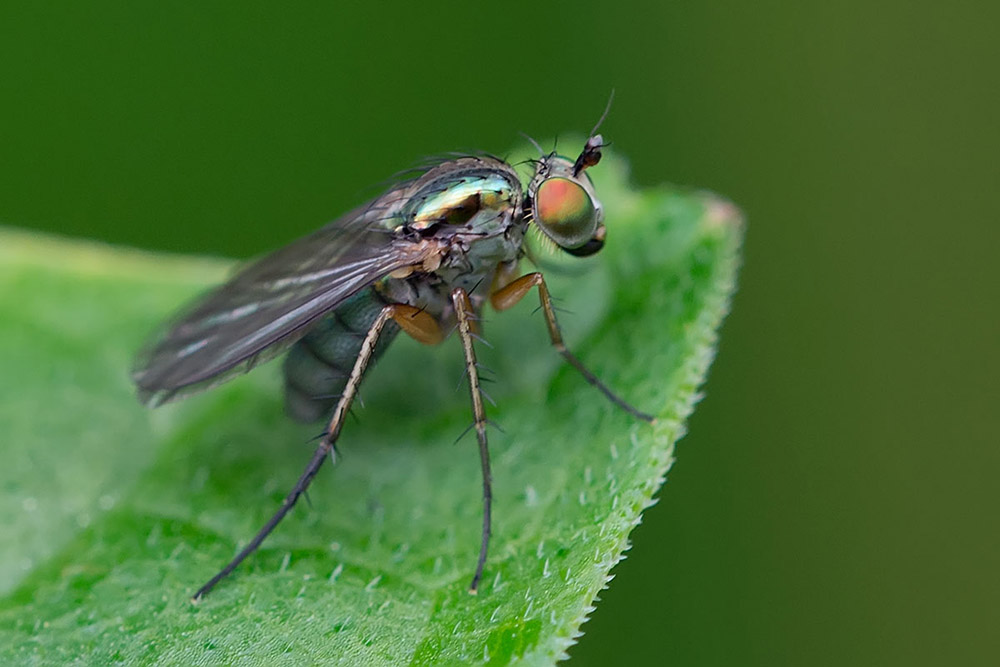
(834, 502)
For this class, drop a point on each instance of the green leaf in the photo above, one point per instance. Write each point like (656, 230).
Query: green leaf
(112, 514)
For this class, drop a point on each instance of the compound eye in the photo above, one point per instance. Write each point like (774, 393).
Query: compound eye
(565, 212)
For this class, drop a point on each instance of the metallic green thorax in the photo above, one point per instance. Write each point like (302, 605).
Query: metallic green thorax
(472, 208)
(462, 198)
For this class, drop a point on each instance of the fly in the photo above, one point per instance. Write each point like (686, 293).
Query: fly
(423, 258)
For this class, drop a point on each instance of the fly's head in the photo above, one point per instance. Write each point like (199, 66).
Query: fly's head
(562, 201)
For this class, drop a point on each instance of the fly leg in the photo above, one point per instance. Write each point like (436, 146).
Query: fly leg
(415, 322)
(507, 296)
(464, 313)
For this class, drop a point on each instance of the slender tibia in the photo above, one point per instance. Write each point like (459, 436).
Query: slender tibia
(509, 295)
(464, 313)
(322, 451)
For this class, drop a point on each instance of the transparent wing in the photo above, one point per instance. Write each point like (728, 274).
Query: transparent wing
(270, 304)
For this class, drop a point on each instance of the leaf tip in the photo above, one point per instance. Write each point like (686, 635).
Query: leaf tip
(722, 215)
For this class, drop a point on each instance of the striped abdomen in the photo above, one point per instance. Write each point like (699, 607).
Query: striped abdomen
(319, 364)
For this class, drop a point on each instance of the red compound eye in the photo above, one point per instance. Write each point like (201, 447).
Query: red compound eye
(565, 212)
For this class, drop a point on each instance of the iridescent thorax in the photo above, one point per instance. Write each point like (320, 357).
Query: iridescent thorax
(458, 198)
(469, 211)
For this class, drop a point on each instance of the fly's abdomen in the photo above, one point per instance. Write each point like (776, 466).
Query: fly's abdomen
(319, 364)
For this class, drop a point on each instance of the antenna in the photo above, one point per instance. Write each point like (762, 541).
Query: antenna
(607, 108)
(591, 153)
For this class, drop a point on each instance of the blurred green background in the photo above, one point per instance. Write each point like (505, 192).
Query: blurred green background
(836, 499)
